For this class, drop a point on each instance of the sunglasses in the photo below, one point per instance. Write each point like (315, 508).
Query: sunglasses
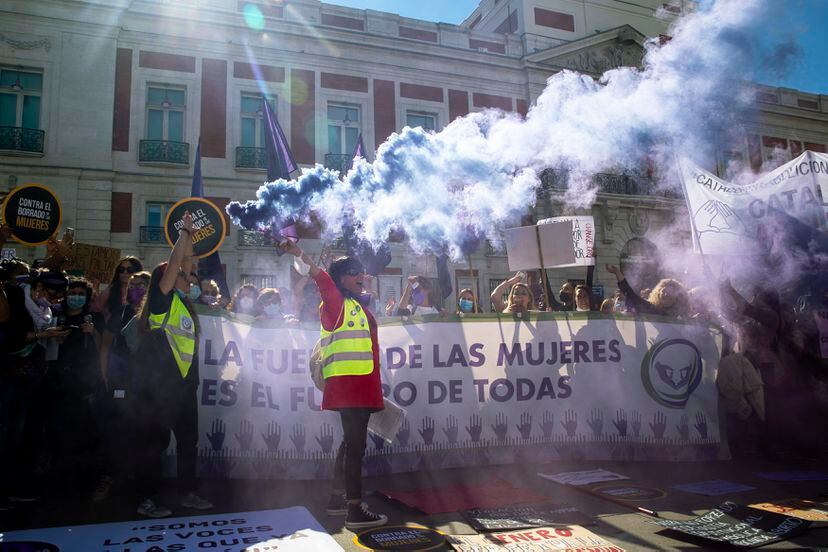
(354, 272)
(130, 269)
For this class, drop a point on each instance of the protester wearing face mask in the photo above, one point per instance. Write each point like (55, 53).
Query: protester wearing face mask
(31, 334)
(269, 305)
(210, 293)
(166, 383)
(418, 297)
(466, 303)
(75, 379)
(350, 357)
(244, 302)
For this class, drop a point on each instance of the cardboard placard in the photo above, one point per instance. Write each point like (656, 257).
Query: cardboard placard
(33, 212)
(797, 507)
(209, 225)
(400, 537)
(520, 517)
(555, 246)
(739, 525)
(583, 238)
(95, 262)
(572, 538)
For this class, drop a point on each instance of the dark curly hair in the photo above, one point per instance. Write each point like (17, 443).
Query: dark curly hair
(339, 267)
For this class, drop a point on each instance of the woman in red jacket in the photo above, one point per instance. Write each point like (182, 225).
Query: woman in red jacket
(352, 377)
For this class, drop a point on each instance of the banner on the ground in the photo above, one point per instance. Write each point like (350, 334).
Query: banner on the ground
(583, 238)
(739, 525)
(484, 389)
(519, 517)
(728, 218)
(571, 539)
(209, 226)
(797, 507)
(33, 212)
(286, 529)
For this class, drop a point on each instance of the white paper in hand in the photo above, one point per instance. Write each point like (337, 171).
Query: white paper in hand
(300, 266)
(386, 422)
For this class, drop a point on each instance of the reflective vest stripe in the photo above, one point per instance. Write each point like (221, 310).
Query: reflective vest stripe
(182, 341)
(344, 334)
(338, 357)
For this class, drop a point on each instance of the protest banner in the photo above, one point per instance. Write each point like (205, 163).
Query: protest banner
(520, 517)
(286, 529)
(739, 525)
(727, 218)
(583, 238)
(33, 212)
(209, 226)
(539, 246)
(549, 386)
(571, 539)
(95, 262)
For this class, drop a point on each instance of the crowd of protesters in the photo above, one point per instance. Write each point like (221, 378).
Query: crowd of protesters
(90, 372)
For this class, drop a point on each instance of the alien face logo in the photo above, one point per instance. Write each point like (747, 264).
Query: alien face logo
(670, 371)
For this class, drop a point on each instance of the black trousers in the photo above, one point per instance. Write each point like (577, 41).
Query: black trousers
(348, 464)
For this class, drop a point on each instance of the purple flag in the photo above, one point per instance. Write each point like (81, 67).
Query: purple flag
(359, 149)
(280, 162)
(209, 268)
(198, 183)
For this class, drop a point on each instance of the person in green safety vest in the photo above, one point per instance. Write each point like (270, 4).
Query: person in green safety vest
(350, 365)
(166, 367)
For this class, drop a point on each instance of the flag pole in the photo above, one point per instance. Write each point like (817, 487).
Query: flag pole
(542, 269)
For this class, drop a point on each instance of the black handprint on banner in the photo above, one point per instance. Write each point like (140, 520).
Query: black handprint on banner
(683, 428)
(620, 423)
(297, 437)
(701, 425)
(325, 438)
(272, 437)
(547, 424)
(596, 422)
(378, 441)
(216, 438)
(570, 423)
(501, 426)
(659, 425)
(475, 427)
(525, 427)
(427, 433)
(245, 435)
(404, 433)
(636, 423)
(452, 429)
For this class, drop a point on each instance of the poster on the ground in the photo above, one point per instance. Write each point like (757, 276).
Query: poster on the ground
(520, 517)
(715, 487)
(796, 507)
(477, 391)
(571, 539)
(400, 537)
(739, 525)
(286, 529)
(33, 213)
(209, 226)
(584, 477)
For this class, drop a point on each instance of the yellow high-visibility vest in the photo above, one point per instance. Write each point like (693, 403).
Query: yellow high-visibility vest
(347, 351)
(179, 327)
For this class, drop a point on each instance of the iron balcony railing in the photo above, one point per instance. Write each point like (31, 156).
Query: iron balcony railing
(338, 162)
(153, 234)
(24, 140)
(251, 158)
(164, 151)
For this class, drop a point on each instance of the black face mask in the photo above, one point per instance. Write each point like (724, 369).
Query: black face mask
(565, 297)
(364, 299)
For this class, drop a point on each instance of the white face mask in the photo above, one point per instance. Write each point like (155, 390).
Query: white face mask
(246, 304)
(272, 310)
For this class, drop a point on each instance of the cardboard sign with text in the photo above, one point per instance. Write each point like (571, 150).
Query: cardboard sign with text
(524, 252)
(209, 226)
(797, 507)
(583, 238)
(33, 212)
(572, 538)
(96, 262)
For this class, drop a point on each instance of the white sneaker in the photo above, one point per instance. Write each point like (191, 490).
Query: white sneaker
(150, 509)
(195, 502)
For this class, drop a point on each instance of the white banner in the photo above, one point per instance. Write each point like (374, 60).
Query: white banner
(484, 389)
(286, 529)
(725, 218)
(583, 238)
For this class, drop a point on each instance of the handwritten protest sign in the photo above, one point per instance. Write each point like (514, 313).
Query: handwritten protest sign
(33, 212)
(572, 538)
(796, 507)
(95, 262)
(209, 226)
(519, 517)
(583, 238)
(739, 525)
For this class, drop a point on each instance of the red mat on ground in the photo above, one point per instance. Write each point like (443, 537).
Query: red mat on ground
(439, 500)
